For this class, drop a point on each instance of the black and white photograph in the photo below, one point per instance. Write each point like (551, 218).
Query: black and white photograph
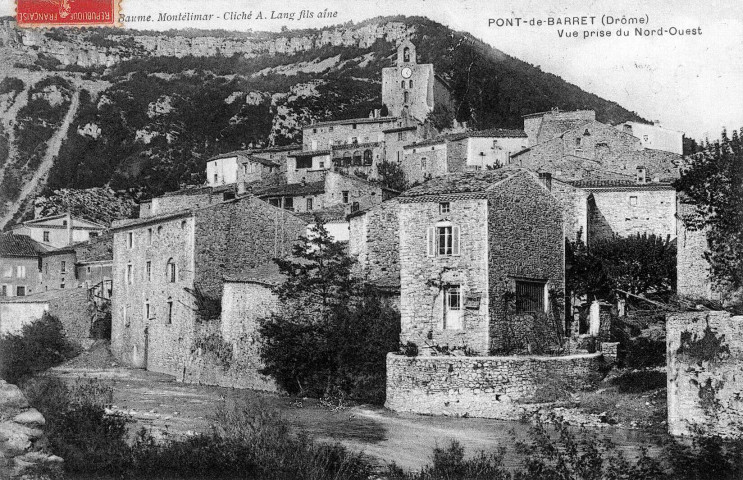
(371, 240)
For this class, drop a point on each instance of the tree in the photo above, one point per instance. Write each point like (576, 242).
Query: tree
(638, 264)
(392, 176)
(713, 181)
(332, 333)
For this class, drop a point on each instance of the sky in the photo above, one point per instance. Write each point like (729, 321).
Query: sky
(689, 82)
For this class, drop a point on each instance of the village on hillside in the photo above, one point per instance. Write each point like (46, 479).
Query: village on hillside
(479, 241)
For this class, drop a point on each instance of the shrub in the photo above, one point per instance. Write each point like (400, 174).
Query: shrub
(638, 382)
(644, 352)
(41, 344)
(449, 463)
(11, 84)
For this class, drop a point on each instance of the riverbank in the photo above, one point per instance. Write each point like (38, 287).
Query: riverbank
(169, 408)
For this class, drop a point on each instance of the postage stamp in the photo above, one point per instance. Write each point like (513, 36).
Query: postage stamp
(68, 13)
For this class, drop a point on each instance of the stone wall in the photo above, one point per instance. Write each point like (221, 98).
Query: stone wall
(423, 278)
(243, 304)
(574, 203)
(485, 387)
(692, 270)
(525, 242)
(69, 305)
(359, 191)
(705, 371)
(23, 446)
(375, 242)
(58, 270)
(627, 212)
(419, 88)
(426, 161)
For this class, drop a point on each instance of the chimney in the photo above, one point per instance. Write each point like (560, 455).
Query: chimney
(641, 175)
(546, 179)
(69, 228)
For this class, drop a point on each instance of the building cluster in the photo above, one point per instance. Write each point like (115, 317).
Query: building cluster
(488, 214)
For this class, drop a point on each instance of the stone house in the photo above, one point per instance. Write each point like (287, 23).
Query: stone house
(82, 265)
(543, 126)
(190, 197)
(308, 165)
(246, 165)
(655, 137)
(693, 278)
(460, 152)
(59, 230)
(467, 241)
(19, 265)
(335, 189)
(69, 306)
(593, 149)
(161, 261)
(627, 207)
(324, 135)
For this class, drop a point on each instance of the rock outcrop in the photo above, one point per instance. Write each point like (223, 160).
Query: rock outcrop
(22, 442)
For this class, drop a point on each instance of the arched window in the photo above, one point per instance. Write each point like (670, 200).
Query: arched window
(170, 271)
(347, 159)
(368, 158)
(402, 84)
(410, 83)
(406, 54)
(356, 158)
(405, 96)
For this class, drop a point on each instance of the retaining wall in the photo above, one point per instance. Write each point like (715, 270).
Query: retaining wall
(485, 387)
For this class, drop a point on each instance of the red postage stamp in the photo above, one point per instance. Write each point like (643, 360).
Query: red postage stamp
(68, 13)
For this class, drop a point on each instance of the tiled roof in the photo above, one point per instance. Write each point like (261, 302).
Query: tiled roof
(267, 274)
(292, 189)
(467, 182)
(492, 132)
(309, 153)
(204, 190)
(262, 161)
(620, 184)
(12, 245)
(255, 151)
(354, 120)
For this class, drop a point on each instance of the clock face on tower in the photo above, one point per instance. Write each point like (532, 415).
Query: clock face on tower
(406, 72)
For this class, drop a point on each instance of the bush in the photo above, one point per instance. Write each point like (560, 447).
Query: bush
(42, 344)
(644, 352)
(449, 463)
(638, 382)
(11, 84)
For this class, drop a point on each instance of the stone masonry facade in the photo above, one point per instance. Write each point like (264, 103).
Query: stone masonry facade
(705, 370)
(375, 243)
(484, 387)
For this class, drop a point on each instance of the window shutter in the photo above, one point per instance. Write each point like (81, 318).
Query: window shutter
(431, 241)
(455, 240)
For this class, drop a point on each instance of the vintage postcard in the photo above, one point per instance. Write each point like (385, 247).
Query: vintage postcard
(393, 240)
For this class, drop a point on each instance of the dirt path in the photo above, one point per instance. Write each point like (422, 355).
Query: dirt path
(159, 402)
(52, 149)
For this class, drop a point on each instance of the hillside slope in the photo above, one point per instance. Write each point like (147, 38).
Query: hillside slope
(157, 105)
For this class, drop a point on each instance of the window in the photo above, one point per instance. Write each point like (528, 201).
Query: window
(183, 224)
(322, 164)
(129, 239)
(159, 230)
(330, 129)
(410, 83)
(368, 157)
(289, 203)
(127, 322)
(4, 291)
(345, 196)
(402, 84)
(633, 201)
(64, 223)
(63, 267)
(149, 236)
(400, 136)
(453, 307)
(406, 54)
(355, 207)
(443, 240)
(444, 207)
(147, 312)
(578, 141)
(20, 291)
(170, 271)
(62, 285)
(148, 267)
(356, 158)
(354, 126)
(424, 162)
(309, 204)
(46, 236)
(87, 270)
(20, 271)
(8, 271)
(304, 162)
(355, 140)
(276, 202)
(92, 234)
(216, 178)
(347, 159)
(406, 96)
(169, 316)
(529, 296)
(129, 274)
